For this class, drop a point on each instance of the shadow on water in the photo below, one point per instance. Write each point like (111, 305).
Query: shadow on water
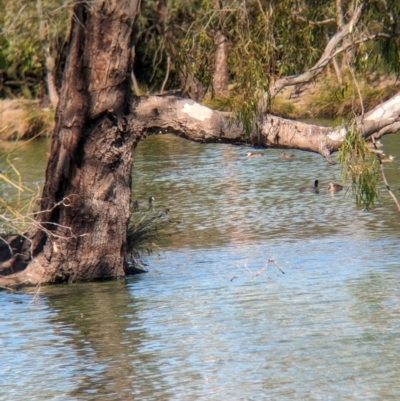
(85, 343)
(104, 330)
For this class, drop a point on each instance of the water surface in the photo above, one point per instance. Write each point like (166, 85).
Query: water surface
(200, 325)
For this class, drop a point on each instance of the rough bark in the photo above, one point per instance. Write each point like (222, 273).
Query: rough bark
(80, 233)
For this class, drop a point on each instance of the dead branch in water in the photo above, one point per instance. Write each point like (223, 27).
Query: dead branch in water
(261, 270)
(266, 266)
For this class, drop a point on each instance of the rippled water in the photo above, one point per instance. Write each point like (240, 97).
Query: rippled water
(200, 325)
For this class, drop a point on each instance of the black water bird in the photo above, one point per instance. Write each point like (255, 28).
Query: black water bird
(314, 189)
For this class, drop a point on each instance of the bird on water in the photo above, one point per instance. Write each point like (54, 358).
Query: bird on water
(333, 188)
(314, 189)
(253, 155)
(286, 156)
(388, 159)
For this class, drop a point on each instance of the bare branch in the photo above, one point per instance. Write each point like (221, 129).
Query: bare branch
(166, 74)
(314, 23)
(328, 54)
(392, 195)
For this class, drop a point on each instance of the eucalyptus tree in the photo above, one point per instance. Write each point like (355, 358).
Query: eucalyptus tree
(80, 232)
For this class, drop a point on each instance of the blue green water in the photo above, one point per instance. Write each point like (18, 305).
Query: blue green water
(200, 325)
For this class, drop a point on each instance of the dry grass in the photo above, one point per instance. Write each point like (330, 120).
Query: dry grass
(284, 108)
(24, 119)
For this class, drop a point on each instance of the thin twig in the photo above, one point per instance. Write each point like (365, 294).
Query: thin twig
(276, 264)
(262, 270)
(392, 195)
(7, 288)
(35, 298)
(266, 266)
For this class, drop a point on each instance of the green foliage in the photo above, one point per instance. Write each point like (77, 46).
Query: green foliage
(266, 40)
(385, 51)
(158, 33)
(22, 58)
(284, 108)
(360, 166)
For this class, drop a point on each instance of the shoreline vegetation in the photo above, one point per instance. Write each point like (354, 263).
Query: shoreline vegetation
(23, 119)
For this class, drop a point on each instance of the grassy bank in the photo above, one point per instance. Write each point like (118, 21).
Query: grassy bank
(22, 119)
(328, 99)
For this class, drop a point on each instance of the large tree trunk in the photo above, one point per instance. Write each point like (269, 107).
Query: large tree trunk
(80, 233)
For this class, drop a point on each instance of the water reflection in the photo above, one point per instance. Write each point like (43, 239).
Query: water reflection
(327, 329)
(98, 320)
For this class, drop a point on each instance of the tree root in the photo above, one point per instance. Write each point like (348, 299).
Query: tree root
(15, 263)
(14, 280)
(33, 274)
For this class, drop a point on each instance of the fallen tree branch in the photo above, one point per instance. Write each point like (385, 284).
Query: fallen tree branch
(193, 121)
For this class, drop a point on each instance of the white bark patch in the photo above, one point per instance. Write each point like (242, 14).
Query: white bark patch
(197, 111)
(385, 110)
(338, 134)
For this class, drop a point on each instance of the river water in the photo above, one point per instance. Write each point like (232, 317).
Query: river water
(201, 325)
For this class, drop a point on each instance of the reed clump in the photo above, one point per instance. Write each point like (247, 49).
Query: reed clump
(147, 230)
